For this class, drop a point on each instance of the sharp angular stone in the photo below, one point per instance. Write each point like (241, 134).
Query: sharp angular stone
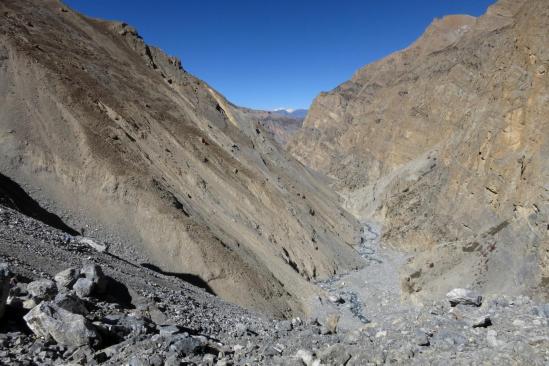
(94, 273)
(49, 321)
(70, 303)
(93, 244)
(481, 322)
(421, 338)
(334, 355)
(84, 287)
(185, 345)
(464, 296)
(42, 290)
(67, 278)
(168, 330)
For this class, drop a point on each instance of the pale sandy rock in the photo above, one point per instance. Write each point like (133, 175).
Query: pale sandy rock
(445, 144)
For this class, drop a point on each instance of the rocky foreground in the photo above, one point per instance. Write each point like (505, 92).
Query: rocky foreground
(65, 302)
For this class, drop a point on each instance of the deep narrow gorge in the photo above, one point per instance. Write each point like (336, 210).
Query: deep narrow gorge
(147, 220)
(445, 144)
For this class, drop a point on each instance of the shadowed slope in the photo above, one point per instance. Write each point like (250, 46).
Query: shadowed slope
(121, 138)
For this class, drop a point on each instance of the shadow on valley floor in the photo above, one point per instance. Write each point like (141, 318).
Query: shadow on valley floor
(13, 196)
(187, 277)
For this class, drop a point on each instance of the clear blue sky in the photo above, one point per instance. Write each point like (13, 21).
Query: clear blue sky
(277, 53)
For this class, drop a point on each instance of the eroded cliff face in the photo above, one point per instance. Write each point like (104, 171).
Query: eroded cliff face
(111, 133)
(446, 143)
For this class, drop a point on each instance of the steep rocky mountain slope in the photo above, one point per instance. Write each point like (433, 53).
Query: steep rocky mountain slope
(122, 144)
(56, 313)
(126, 184)
(446, 144)
(281, 126)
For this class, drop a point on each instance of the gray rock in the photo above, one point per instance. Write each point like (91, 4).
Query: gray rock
(306, 357)
(42, 289)
(112, 318)
(421, 338)
(285, 325)
(95, 274)
(481, 322)
(93, 244)
(334, 355)
(67, 278)
(84, 287)
(128, 325)
(185, 345)
(168, 330)
(49, 321)
(70, 303)
(20, 289)
(208, 359)
(464, 296)
(4, 287)
(173, 360)
(450, 338)
(29, 304)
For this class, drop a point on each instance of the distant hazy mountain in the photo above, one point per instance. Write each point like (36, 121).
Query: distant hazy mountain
(281, 124)
(292, 113)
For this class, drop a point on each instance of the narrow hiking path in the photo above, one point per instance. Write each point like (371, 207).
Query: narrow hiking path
(371, 294)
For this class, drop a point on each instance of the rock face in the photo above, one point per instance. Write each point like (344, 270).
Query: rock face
(52, 322)
(445, 143)
(111, 133)
(282, 126)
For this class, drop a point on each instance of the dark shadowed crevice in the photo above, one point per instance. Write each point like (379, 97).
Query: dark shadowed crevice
(13, 196)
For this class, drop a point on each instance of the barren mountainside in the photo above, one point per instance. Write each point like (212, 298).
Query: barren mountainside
(114, 137)
(146, 220)
(279, 125)
(446, 145)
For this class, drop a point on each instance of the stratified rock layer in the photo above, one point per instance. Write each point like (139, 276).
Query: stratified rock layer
(446, 143)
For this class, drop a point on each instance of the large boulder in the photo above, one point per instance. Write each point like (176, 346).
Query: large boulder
(71, 303)
(50, 321)
(84, 287)
(67, 278)
(4, 287)
(95, 274)
(42, 289)
(464, 296)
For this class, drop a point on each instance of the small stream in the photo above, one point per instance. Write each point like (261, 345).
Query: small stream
(369, 241)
